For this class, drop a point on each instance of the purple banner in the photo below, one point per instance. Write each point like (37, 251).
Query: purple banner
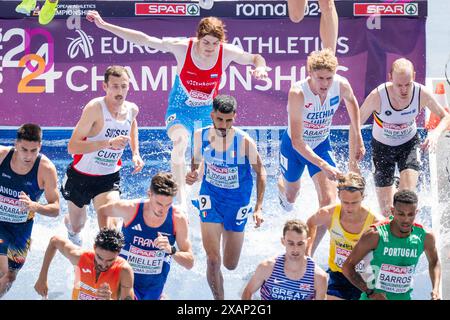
(47, 74)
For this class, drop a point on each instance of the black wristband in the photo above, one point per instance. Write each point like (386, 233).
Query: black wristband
(173, 250)
(369, 292)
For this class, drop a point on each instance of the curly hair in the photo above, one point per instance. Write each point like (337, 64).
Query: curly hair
(323, 59)
(110, 240)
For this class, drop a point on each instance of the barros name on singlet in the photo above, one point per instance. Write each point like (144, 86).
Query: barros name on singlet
(400, 252)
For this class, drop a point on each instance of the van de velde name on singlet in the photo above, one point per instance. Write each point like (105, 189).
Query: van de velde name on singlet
(400, 252)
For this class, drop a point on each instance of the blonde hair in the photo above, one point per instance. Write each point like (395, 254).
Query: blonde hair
(323, 59)
(352, 180)
(212, 26)
(402, 65)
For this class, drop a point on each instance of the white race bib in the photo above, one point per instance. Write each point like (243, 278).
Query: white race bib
(222, 177)
(395, 279)
(342, 254)
(145, 261)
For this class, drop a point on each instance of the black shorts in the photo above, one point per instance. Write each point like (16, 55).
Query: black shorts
(385, 157)
(339, 286)
(81, 189)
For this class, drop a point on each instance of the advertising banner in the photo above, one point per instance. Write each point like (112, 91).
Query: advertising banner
(48, 73)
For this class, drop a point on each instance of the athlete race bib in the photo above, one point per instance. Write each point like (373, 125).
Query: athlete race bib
(145, 261)
(198, 99)
(395, 279)
(342, 254)
(397, 131)
(107, 158)
(222, 177)
(10, 210)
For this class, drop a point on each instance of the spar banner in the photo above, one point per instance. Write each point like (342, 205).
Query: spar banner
(48, 73)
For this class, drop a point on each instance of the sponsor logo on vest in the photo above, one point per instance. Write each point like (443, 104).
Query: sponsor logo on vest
(409, 112)
(388, 113)
(4, 175)
(400, 252)
(137, 227)
(334, 100)
(84, 270)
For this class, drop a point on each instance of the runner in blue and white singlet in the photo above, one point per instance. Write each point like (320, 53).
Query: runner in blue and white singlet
(280, 287)
(317, 120)
(312, 104)
(292, 275)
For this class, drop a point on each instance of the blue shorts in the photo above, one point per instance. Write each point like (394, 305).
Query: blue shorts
(232, 215)
(153, 293)
(15, 241)
(339, 286)
(192, 118)
(292, 163)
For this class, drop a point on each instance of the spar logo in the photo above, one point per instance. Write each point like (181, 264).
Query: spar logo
(386, 9)
(81, 44)
(166, 9)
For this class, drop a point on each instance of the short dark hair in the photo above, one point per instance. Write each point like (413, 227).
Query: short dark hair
(224, 104)
(115, 71)
(164, 184)
(110, 240)
(295, 225)
(29, 132)
(405, 196)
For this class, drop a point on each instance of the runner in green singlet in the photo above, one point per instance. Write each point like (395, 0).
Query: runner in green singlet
(394, 246)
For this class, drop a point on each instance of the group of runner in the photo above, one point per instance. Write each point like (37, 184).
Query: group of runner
(372, 256)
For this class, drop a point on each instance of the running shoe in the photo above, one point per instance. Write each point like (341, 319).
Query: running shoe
(284, 203)
(26, 6)
(47, 12)
(72, 236)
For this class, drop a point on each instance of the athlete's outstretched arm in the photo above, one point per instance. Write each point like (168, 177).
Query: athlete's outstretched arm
(256, 162)
(184, 255)
(48, 180)
(321, 218)
(130, 35)
(434, 265)
(67, 248)
(126, 283)
(197, 159)
(356, 144)
(262, 273)
(236, 54)
(125, 209)
(134, 144)
(368, 242)
(296, 102)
